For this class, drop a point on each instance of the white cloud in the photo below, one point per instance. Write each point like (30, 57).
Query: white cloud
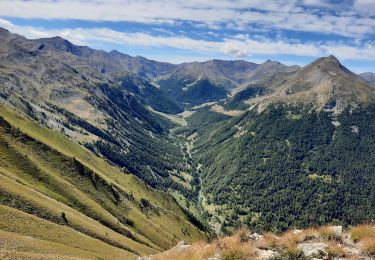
(239, 46)
(365, 6)
(239, 14)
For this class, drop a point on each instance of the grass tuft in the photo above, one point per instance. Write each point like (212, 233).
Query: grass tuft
(334, 251)
(362, 231)
(368, 246)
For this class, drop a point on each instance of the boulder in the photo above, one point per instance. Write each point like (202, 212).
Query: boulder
(267, 254)
(318, 250)
(337, 230)
(255, 237)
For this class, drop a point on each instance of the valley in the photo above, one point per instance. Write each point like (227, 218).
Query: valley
(105, 155)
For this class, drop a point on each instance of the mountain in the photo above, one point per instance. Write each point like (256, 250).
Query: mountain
(60, 200)
(368, 76)
(200, 82)
(299, 154)
(129, 155)
(66, 174)
(110, 63)
(53, 82)
(324, 83)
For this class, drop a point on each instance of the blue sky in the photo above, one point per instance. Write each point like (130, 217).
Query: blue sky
(293, 32)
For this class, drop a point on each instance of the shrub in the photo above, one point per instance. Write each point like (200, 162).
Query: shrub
(242, 235)
(145, 203)
(63, 216)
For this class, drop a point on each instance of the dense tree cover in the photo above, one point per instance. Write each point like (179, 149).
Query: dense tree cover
(142, 145)
(191, 92)
(148, 94)
(290, 166)
(134, 138)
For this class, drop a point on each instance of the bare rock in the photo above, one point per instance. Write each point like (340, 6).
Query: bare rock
(337, 230)
(255, 237)
(267, 254)
(317, 250)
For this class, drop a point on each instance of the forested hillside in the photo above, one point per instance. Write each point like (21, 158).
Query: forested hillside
(290, 166)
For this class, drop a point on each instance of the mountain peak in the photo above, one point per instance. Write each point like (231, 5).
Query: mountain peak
(323, 81)
(328, 60)
(4, 32)
(271, 61)
(330, 65)
(331, 58)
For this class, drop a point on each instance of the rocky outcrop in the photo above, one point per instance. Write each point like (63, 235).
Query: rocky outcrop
(330, 242)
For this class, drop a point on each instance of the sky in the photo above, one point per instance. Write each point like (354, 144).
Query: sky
(294, 32)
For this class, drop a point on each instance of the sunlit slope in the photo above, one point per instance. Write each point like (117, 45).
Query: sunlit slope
(49, 179)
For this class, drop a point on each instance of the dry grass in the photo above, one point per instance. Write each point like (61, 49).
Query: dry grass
(334, 250)
(232, 248)
(23, 233)
(368, 246)
(270, 241)
(288, 240)
(287, 244)
(328, 234)
(229, 248)
(362, 231)
(197, 251)
(240, 246)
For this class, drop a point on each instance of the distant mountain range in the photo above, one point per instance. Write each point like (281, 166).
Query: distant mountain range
(213, 145)
(368, 76)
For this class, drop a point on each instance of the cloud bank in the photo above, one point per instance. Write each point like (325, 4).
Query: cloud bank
(238, 46)
(348, 18)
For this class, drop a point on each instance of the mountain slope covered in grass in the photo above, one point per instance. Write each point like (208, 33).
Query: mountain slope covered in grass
(63, 196)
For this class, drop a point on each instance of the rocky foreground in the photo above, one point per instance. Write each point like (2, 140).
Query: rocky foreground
(330, 242)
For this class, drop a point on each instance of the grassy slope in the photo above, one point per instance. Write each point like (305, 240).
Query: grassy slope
(45, 239)
(98, 200)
